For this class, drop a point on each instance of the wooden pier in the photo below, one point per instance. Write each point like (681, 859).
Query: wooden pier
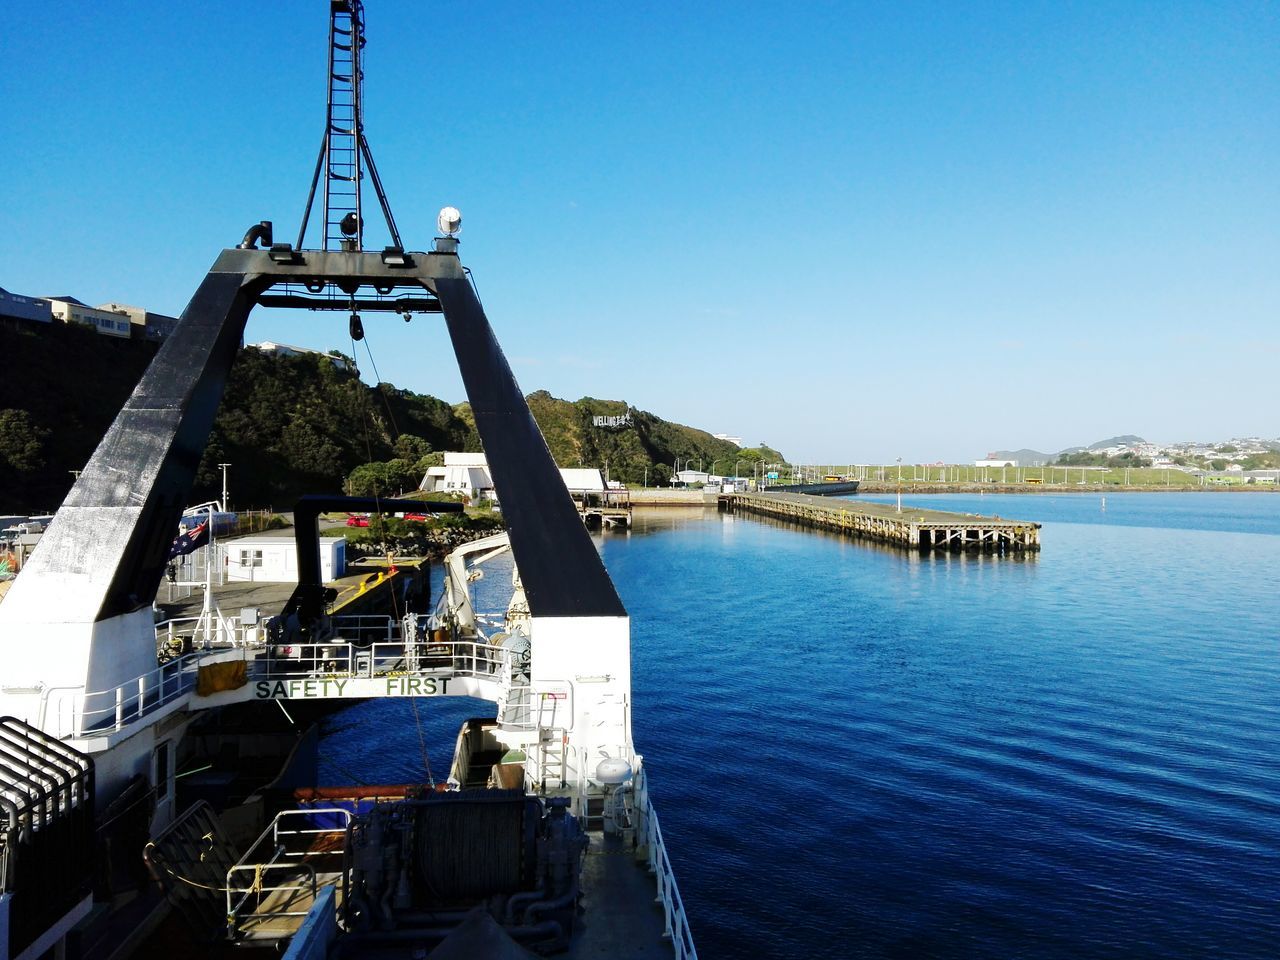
(913, 528)
(605, 510)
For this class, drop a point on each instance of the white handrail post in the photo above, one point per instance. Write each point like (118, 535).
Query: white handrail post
(119, 707)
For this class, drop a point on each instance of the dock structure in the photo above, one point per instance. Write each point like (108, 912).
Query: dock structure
(606, 510)
(913, 528)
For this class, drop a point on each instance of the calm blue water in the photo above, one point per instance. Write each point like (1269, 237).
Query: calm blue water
(858, 752)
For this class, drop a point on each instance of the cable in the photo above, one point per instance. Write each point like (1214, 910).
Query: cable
(422, 742)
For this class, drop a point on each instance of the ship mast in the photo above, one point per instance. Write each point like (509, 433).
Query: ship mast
(344, 151)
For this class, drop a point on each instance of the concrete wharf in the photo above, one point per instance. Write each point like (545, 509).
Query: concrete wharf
(913, 528)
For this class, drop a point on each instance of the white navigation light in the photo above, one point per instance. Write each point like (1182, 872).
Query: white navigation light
(449, 221)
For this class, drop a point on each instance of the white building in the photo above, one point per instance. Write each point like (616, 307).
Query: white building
(582, 480)
(995, 463)
(466, 474)
(736, 441)
(692, 478)
(71, 310)
(275, 559)
(288, 350)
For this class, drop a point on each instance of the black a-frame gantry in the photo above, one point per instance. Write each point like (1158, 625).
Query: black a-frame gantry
(113, 531)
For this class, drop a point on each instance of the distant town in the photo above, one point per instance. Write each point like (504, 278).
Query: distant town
(1239, 459)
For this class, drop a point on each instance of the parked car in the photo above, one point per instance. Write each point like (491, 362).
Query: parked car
(357, 521)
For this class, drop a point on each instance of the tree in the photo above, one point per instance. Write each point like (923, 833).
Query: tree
(21, 441)
(411, 448)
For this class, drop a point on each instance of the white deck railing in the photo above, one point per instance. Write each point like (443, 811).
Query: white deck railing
(677, 923)
(74, 712)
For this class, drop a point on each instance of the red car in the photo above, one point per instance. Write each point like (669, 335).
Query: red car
(357, 521)
(421, 517)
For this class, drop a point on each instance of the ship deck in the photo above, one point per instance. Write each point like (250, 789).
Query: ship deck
(621, 914)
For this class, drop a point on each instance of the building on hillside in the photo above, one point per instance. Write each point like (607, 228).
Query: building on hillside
(16, 307)
(736, 441)
(464, 474)
(146, 325)
(467, 474)
(287, 350)
(108, 322)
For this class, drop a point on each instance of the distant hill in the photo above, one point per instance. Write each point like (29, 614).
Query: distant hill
(294, 425)
(1030, 458)
(646, 441)
(1127, 439)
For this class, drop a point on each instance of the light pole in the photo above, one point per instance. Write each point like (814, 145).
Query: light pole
(224, 484)
(899, 484)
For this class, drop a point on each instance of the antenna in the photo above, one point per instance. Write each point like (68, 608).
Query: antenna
(344, 151)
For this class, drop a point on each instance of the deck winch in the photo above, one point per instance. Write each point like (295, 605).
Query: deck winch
(418, 867)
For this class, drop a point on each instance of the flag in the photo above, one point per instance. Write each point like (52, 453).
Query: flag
(189, 541)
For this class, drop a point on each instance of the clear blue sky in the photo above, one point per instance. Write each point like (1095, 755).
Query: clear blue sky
(854, 231)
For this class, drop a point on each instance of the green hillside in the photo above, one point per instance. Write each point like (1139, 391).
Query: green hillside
(60, 388)
(294, 425)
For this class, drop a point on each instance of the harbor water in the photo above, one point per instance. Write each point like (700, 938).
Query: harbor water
(858, 751)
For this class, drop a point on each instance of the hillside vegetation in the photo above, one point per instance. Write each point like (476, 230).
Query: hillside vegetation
(295, 425)
(60, 389)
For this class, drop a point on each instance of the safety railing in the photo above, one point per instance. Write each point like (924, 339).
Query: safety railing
(71, 712)
(677, 923)
(228, 631)
(426, 658)
(299, 851)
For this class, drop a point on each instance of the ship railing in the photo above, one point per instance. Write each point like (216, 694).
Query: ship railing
(677, 922)
(73, 712)
(299, 850)
(427, 658)
(517, 713)
(222, 630)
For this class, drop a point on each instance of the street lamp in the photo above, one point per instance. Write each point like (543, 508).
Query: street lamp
(224, 484)
(899, 484)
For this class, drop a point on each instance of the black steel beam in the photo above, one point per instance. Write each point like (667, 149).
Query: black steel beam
(122, 513)
(562, 573)
(302, 302)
